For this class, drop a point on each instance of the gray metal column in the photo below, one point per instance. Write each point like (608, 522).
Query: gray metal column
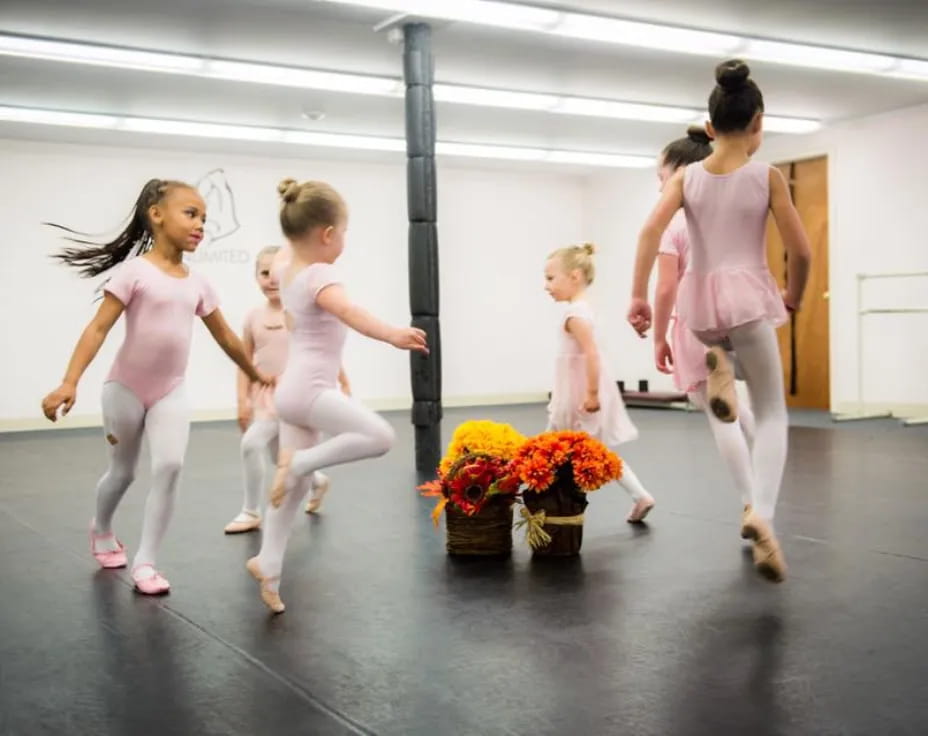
(423, 242)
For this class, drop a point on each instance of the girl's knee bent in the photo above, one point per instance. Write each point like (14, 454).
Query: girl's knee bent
(383, 437)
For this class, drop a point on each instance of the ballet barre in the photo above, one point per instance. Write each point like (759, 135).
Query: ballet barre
(861, 313)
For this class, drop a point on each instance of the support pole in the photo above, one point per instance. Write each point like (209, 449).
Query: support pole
(423, 242)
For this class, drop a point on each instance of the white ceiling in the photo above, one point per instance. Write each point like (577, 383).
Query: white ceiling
(321, 35)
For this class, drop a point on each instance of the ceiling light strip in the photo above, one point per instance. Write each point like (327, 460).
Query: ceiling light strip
(67, 51)
(308, 138)
(672, 39)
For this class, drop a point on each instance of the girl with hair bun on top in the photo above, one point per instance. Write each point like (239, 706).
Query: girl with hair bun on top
(727, 295)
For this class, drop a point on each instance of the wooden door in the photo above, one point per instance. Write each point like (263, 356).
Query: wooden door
(804, 340)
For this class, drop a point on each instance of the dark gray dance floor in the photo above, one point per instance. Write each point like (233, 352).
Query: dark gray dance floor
(663, 629)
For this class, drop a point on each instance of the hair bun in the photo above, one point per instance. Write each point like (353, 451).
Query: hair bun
(698, 134)
(588, 248)
(732, 75)
(288, 189)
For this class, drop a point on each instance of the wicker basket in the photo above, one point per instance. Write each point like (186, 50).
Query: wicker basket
(486, 534)
(562, 501)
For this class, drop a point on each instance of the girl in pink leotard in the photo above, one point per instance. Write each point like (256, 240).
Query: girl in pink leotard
(266, 339)
(728, 297)
(144, 392)
(314, 218)
(685, 359)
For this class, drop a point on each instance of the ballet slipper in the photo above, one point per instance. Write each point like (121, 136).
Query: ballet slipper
(768, 557)
(111, 559)
(154, 584)
(720, 385)
(319, 491)
(248, 525)
(270, 597)
(640, 510)
(280, 486)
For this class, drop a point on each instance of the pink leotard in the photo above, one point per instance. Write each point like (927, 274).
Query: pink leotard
(159, 310)
(689, 354)
(267, 330)
(727, 282)
(316, 341)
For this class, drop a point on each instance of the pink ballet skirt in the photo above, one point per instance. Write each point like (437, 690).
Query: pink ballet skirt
(726, 298)
(611, 425)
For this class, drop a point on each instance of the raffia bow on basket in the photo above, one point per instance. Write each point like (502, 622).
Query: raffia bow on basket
(534, 525)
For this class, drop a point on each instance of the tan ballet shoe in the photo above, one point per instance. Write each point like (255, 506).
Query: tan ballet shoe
(768, 557)
(270, 598)
(240, 527)
(720, 385)
(279, 486)
(318, 493)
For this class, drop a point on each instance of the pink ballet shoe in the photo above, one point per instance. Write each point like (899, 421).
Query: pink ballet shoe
(155, 584)
(640, 510)
(240, 527)
(768, 557)
(280, 485)
(319, 491)
(111, 559)
(270, 598)
(720, 385)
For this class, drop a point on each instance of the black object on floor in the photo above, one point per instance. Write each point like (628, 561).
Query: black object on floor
(659, 629)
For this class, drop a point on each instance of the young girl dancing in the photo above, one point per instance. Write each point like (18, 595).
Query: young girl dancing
(728, 297)
(585, 397)
(313, 217)
(687, 358)
(144, 392)
(265, 337)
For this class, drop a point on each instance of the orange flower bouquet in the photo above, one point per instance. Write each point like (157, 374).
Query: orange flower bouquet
(475, 490)
(556, 470)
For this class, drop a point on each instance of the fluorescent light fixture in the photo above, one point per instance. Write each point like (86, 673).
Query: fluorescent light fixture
(220, 131)
(494, 97)
(657, 36)
(776, 124)
(110, 56)
(362, 84)
(284, 76)
(818, 57)
(646, 35)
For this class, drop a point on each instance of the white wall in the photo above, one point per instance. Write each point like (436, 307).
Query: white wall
(495, 228)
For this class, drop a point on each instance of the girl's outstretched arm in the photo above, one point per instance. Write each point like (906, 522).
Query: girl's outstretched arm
(665, 296)
(232, 346)
(794, 238)
(84, 352)
(639, 313)
(334, 300)
(582, 332)
(242, 384)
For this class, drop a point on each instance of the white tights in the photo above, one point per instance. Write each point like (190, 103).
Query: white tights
(354, 433)
(758, 355)
(167, 425)
(259, 445)
(734, 441)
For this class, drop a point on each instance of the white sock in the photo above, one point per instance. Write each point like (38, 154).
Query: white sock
(629, 481)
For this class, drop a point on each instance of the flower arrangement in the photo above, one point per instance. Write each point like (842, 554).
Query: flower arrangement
(482, 436)
(565, 457)
(556, 470)
(475, 489)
